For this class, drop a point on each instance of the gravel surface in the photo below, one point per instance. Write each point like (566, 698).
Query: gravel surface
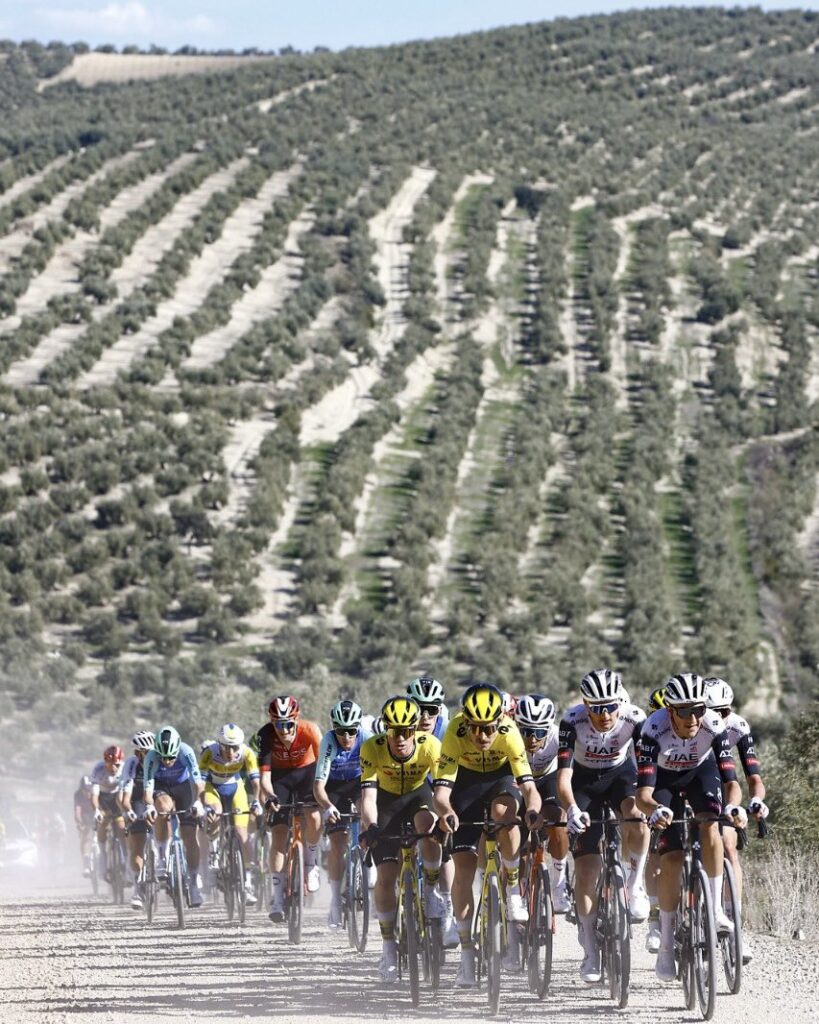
(66, 956)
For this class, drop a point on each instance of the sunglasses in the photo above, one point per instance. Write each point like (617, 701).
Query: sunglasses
(604, 709)
(402, 732)
(167, 760)
(346, 732)
(692, 711)
(539, 734)
(430, 709)
(285, 725)
(488, 728)
(723, 712)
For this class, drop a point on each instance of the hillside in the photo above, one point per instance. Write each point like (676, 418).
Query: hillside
(495, 356)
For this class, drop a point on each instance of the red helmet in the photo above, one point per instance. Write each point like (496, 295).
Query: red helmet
(113, 755)
(284, 706)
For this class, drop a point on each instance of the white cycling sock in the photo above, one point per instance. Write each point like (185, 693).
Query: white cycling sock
(163, 848)
(637, 864)
(310, 854)
(557, 872)
(667, 928)
(586, 932)
(277, 881)
(335, 889)
(715, 884)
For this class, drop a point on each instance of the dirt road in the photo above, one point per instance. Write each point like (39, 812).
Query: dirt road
(67, 957)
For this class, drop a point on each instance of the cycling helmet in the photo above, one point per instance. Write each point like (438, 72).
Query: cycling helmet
(400, 713)
(378, 726)
(284, 706)
(426, 690)
(718, 694)
(534, 711)
(112, 755)
(685, 688)
(601, 684)
(625, 696)
(509, 703)
(483, 703)
(345, 715)
(656, 699)
(231, 735)
(143, 741)
(167, 741)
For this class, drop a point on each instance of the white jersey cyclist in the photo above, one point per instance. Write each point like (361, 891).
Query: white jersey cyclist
(543, 761)
(661, 747)
(582, 744)
(102, 781)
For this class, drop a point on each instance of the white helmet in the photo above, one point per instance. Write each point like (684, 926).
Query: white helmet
(625, 696)
(535, 711)
(685, 688)
(601, 684)
(346, 714)
(426, 690)
(378, 726)
(510, 702)
(718, 694)
(231, 735)
(143, 741)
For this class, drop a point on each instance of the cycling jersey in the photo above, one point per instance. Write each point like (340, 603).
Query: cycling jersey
(381, 769)
(275, 756)
(660, 747)
(458, 751)
(218, 772)
(544, 760)
(184, 769)
(337, 764)
(102, 781)
(133, 773)
(739, 736)
(581, 742)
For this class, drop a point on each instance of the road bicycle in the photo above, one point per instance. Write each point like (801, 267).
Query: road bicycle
(147, 881)
(294, 889)
(612, 921)
(355, 892)
(730, 943)
(260, 868)
(419, 947)
(114, 862)
(94, 863)
(538, 934)
(230, 864)
(177, 880)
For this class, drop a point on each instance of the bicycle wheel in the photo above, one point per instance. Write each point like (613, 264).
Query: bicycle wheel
(177, 881)
(539, 934)
(225, 881)
(704, 941)
(731, 944)
(148, 883)
(685, 941)
(295, 893)
(118, 874)
(94, 867)
(237, 875)
(492, 943)
(358, 901)
(434, 941)
(412, 938)
(618, 938)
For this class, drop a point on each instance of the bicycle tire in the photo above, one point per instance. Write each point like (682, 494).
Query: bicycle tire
(412, 943)
(618, 939)
(731, 945)
(94, 868)
(148, 876)
(704, 947)
(492, 943)
(178, 882)
(435, 935)
(225, 881)
(295, 893)
(539, 934)
(237, 876)
(358, 902)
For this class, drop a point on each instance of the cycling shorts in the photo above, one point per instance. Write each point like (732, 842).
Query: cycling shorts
(701, 787)
(595, 789)
(230, 797)
(472, 793)
(292, 785)
(109, 805)
(547, 787)
(182, 795)
(395, 810)
(344, 794)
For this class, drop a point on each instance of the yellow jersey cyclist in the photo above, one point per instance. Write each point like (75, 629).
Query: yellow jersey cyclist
(225, 765)
(719, 697)
(483, 766)
(395, 790)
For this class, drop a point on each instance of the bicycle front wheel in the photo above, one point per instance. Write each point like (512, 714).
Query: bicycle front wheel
(225, 880)
(177, 870)
(539, 934)
(117, 868)
(237, 876)
(618, 938)
(295, 893)
(492, 943)
(704, 941)
(148, 877)
(412, 938)
(731, 944)
(358, 901)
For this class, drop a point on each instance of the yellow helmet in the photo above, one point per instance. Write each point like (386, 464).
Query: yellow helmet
(400, 713)
(656, 699)
(483, 703)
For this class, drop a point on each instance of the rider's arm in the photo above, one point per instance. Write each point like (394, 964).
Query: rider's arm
(531, 795)
(369, 806)
(446, 772)
(148, 772)
(750, 764)
(647, 752)
(323, 763)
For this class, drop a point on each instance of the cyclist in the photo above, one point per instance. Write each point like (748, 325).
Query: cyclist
(132, 788)
(84, 820)
(337, 790)
(684, 752)
(535, 718)
(225, 764)
(105, 780)
(483, 766)
(429, 694)
(288, 751)
(596, 768)
(172, 781)
(719, 697)
(656, 700)
(395, 791)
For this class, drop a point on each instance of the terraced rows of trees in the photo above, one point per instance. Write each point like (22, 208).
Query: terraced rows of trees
(493, 356)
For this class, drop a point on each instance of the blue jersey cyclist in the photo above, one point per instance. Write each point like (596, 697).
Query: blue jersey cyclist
(172, 781)
(429, 695)
(337, 789)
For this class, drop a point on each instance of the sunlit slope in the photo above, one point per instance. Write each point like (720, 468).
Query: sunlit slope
(495, 356)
